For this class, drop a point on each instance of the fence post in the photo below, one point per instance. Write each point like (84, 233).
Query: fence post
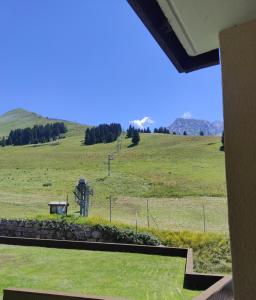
(147, 213)
(110, 208)
(204, 218)
(136, 226)
(109, 172)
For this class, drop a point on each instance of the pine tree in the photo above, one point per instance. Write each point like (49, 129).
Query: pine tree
(185, 133)
(201, 133)
(148, 130)
(104, 133)
(35, 135)
(136, 138)
(166, 130)
(3, 142)
(130, 132)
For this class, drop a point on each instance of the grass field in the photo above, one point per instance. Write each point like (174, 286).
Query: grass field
(164, 213)
(131, 276)
(177, 174)
(20, 118)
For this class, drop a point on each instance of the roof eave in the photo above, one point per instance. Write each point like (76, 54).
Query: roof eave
(154, 19)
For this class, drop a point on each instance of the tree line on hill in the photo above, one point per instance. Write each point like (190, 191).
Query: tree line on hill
(35, 135)
(134, 134)
(103, 133)
(162, 130)
(145, 130)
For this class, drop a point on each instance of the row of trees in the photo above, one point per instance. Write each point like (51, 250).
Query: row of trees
(145, 130)
(162, 130)
(104, 133)
(36, 134)
(165, 130)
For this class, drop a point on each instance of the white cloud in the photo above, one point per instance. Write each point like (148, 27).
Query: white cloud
(187, 115)
(141, 124)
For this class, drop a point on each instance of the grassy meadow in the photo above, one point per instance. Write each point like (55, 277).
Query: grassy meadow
(180, 179)
(20, 118)
(178, 175)
(130, 276)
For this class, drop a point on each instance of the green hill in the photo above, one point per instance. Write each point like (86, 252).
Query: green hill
(20, 118)
(177, 174)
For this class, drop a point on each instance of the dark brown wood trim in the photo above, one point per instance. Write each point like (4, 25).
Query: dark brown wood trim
(28, 294)
(154, 19)
(192, 280)
(222, 290)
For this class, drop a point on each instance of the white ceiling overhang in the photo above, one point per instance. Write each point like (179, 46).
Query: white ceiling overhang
(197, 23)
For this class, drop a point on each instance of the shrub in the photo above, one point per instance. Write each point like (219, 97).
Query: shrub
(110, 232)
(127, 236)
(211, 250)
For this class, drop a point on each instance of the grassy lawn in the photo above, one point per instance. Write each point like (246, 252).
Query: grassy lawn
(176, 173)
(131, 276)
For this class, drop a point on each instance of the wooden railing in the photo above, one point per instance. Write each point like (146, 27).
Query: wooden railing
(217, 287)
(221, 290)
(26, 294)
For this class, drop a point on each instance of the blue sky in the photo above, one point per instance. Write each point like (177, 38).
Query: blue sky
(93, 62)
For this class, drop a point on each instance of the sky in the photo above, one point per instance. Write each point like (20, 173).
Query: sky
(93, 61)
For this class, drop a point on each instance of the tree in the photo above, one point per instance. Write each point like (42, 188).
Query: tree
(201, 133)
(3, 142)
(174, 132)
(185, 133)
(136, 138)
(222, 141)
(36, 134)
(104, 133)
(130, 131)
(166, 130)
(161, 129)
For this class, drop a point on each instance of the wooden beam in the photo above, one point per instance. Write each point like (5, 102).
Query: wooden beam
(238, 58)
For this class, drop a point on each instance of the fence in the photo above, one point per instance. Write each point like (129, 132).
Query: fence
(190, 213)
(203, 214)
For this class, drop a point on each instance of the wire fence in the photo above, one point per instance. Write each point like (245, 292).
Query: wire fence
(206, 214)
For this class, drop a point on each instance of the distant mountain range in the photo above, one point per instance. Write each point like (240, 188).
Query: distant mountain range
(194, 126)
(21, 118)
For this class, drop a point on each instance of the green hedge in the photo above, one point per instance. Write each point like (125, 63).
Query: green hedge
(109, 231)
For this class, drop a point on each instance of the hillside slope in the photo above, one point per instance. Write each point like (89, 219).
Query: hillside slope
(160, 166)
(20, 118)
(178, 174)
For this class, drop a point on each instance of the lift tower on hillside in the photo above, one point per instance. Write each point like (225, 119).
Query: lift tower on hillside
(82, 194)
